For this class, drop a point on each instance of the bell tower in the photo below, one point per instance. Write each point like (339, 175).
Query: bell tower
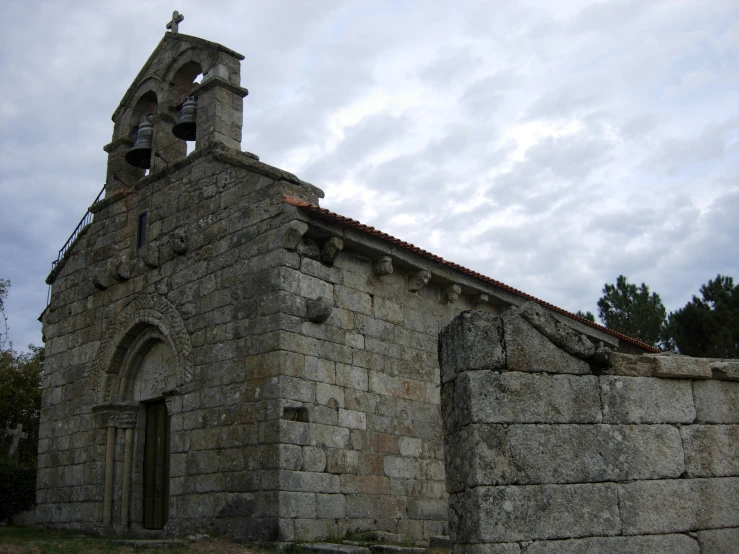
(165, 107)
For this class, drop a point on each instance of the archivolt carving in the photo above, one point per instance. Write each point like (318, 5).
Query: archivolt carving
(143, 314)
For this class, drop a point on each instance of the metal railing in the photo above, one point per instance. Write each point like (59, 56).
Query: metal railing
(84, 222)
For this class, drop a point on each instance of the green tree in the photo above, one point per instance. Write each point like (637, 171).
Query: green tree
(586, 315)
(4, 286)
(20, 400)
(633, 311)
(708, 326)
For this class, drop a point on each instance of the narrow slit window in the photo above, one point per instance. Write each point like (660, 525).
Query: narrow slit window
(142, 230)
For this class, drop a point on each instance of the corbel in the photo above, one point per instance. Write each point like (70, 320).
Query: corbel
(178, 241)
(294, 232)
(479, 299)
(319, 309)
(451, 293)
(331, 249)
(150, 256)
(120, 269)
(382, 266)
(100, 278)
(418, 280)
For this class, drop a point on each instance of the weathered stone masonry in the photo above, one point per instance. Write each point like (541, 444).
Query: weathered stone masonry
(553, 448)
(293, 351)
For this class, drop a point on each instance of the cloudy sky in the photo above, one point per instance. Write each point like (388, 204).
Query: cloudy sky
(549, 145)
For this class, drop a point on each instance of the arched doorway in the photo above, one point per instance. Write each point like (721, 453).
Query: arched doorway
(142, 363)
(155, 375)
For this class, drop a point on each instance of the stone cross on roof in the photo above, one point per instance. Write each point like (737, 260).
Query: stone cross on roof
(177, 18)
(17, 435)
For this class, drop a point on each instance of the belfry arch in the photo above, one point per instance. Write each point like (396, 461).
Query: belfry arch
(141, 364)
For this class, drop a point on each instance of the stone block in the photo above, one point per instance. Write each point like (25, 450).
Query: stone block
(520, 454)
(727, 370)
(631, 365)
(314, 459)
(473, 340)
(365, 484)
(711, 450)
(646, 400)
(559, 333)
(680, 367)
(527, 349)
(352, 419)
(716, 401)
(717, 541)
(487, 397)
(679, 505)
(352, 300)
(500, 548)
(352, 377)
(305, 481)
(342, 461)
(328, 436)
(363, 506)
(674, 544)
(297, 504)
(512, 513)
(401, 467)
(331, 506)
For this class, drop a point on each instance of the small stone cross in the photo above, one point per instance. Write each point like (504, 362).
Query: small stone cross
(177, 18)
(17, 434)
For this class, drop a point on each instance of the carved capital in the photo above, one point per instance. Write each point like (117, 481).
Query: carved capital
(382, 266)
(331, 249)
(120, 415)
(450, 293)
(418, 280)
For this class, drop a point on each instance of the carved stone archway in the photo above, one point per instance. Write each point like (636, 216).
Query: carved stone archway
(145, 356)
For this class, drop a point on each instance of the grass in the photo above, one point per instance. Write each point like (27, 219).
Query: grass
(27, 540)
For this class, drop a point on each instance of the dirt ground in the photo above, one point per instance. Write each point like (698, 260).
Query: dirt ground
(24, 540)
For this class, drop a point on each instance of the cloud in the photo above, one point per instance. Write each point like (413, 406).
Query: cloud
(552, 147)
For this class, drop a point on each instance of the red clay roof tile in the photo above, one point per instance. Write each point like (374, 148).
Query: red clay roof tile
(353, 223)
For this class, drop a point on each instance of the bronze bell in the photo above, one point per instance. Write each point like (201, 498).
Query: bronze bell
(140, 153)
(185, 128)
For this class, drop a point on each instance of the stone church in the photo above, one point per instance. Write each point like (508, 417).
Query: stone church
(222, 354)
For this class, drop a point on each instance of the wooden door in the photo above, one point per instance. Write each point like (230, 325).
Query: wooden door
(156, 466)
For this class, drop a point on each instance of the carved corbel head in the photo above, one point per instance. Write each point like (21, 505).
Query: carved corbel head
(480, 299)
(418, 280)
(382, 266)
(451, 293)
(331, 249)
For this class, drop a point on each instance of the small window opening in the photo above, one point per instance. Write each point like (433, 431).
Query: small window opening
(295, 414)
(142, 231)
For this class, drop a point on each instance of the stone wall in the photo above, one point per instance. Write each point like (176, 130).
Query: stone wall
(208, 281)
(552, 445)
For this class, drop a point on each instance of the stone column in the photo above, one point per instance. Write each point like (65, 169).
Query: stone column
(121, 174)
(126, 496)
(166, 148)
(108, 491)
(220, 112)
